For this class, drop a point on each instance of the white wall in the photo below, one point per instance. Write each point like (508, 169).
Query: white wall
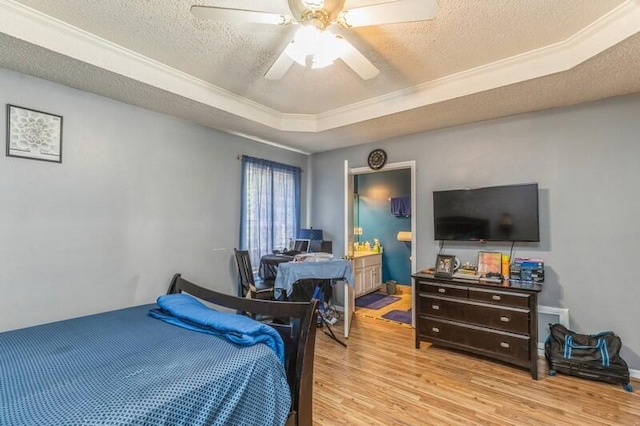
(138, 196)
(586, 162)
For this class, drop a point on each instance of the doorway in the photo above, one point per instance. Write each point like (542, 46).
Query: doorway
(374, 218)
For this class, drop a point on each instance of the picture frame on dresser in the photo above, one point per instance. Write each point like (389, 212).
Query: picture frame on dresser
(444, 266)
(489, 262)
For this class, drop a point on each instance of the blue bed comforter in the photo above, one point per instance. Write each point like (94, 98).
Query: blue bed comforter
(187, 312)
(126, 368)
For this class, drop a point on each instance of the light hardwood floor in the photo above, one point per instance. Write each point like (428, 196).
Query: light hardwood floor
(381, 379)
(402, 291)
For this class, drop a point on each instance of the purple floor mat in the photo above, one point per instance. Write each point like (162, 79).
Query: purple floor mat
(399, 316)
(375, 300)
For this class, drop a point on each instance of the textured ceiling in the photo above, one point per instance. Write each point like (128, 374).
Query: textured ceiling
(427, 69)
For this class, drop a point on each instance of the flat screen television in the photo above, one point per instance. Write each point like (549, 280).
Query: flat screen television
(497, 213)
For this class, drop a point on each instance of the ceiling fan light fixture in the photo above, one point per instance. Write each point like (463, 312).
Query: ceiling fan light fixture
(323, 47)
(313, 4)
(343, 20)
(303, 44)
(355, 17)
(306, 37)
(313, 45)
(321, 60)
(318, 64)
(327, 50)
(298, 55)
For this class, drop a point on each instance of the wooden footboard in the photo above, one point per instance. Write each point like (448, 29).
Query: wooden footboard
(296, 324)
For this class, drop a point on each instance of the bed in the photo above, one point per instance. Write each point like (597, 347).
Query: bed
(127, 367)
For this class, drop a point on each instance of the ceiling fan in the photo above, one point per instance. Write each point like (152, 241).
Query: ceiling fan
(314, 43)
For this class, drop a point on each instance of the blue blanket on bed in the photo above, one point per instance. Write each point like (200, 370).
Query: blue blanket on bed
(125, 368)
(187, 312)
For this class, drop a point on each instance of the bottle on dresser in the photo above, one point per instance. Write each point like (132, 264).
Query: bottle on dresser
(505, 266)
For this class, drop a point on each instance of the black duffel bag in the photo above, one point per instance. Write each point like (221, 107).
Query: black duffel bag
(602, 347)
(594, 356)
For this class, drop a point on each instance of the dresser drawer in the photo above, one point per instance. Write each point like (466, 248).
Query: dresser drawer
(470, 337)
(502, 318)
(504, 298)
(444, 290)
(443, 308)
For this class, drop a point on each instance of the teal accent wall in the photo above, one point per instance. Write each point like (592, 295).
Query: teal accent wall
(375, 218)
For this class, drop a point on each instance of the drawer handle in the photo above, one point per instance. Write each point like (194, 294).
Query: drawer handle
(504, 344)
(442, 290)
(496, 297)
(435, 307)
(504, 319)
(436, 330)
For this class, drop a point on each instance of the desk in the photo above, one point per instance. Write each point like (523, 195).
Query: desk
(269, 266)
(290, 272)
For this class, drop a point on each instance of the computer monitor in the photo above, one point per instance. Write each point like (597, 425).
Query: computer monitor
(301, 245)
(310, 234)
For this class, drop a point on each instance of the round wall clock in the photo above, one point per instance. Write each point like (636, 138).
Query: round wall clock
(377, 159)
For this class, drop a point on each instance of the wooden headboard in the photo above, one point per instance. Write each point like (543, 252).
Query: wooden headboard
(296, 323)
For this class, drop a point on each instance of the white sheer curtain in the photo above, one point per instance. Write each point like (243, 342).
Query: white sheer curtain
(270, 212)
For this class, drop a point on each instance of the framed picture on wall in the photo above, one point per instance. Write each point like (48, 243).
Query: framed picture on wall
(34, 134)
(444, 266)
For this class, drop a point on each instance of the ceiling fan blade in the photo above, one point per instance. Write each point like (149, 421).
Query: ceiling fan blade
(357, 61)
(353, 4)
(279, 67)
(389, 13)
(239, 15)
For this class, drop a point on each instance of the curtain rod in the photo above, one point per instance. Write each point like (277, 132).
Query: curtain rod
(301, 169)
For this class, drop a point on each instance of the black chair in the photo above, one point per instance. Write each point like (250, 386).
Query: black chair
(250, 287)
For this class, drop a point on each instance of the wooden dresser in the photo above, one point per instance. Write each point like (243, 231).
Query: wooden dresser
(496, 320)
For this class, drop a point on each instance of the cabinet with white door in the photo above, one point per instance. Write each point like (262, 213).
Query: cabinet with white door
(367, 272)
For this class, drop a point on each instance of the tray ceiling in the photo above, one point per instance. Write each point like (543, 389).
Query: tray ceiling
(475, 60)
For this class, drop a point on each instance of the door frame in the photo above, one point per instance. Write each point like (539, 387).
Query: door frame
(390, 167)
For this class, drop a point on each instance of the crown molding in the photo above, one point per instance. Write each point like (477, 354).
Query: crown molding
(27, 24)
(265, 141)
(614, 27)
(300, 123)
(30, 25)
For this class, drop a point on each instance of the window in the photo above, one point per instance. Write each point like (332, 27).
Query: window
(270, 213)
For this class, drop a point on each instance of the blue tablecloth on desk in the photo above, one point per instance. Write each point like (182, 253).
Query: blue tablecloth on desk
(289, 273)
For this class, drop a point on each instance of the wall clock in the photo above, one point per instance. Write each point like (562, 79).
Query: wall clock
(377, 159)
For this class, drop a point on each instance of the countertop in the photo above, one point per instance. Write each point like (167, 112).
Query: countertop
(357, 254)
